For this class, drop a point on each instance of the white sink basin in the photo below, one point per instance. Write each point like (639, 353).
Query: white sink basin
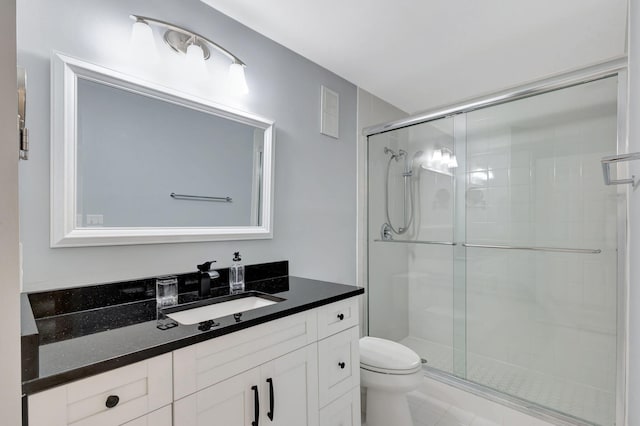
(217, 310)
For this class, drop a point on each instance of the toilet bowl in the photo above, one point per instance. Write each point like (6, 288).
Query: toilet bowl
(388, 370)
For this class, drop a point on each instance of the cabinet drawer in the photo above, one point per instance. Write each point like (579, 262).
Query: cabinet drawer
(338, 316)
(204, 364)
(161, 417)
(344, 411)
(339, 365)
(134, 390)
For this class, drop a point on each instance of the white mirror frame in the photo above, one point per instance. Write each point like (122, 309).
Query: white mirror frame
(65, 72)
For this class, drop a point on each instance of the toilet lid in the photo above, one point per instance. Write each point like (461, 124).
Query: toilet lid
(382, 354)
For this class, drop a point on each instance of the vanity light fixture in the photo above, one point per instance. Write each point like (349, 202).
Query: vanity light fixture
(437, 156)
(443, 157)
(142, 43)
(195, 47)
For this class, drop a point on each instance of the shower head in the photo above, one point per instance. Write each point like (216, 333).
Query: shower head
(394, 156)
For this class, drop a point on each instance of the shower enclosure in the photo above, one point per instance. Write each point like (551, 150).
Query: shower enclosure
(496, 251)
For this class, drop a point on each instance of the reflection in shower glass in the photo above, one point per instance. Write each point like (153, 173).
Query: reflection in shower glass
(408, 177)
(461, 285)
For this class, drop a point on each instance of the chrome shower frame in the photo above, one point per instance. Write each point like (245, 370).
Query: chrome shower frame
(614, 68)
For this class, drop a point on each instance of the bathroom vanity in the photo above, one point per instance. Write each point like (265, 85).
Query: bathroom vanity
(292, 363)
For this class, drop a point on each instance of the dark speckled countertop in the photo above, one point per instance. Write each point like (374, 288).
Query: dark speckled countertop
(80, 338)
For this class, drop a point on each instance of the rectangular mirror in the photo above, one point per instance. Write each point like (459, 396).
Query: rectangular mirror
(138, 163)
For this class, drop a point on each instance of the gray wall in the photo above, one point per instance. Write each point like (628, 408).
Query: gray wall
(315, 177)
(10, 406)
(133, 151)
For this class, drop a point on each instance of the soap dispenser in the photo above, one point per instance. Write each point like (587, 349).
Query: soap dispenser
(236, 274)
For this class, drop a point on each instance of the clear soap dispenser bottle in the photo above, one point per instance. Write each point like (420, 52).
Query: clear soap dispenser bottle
(236, 274)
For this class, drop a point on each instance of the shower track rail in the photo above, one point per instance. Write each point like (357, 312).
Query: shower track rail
(499, 247)
(439, 243)
(549, 249)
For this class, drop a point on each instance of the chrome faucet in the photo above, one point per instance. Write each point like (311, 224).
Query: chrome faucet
(206, 274)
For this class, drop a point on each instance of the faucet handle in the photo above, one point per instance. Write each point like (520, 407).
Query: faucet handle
(206, 266)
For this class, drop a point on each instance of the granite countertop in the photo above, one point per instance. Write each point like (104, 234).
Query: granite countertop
(73, 344)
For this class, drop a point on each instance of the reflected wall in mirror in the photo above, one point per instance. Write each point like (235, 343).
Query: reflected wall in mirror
(135, 163)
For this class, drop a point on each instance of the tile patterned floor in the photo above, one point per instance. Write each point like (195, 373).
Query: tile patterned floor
(581, 401)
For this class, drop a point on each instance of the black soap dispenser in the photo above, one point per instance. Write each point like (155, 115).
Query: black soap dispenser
(236, 274)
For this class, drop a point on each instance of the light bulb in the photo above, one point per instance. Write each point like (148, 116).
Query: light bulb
(446, 158)
(453, 163)
(437, 157)
(195, 61)
(143, 45)
(237, 80)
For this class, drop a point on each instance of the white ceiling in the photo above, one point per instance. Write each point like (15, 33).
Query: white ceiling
(424, 53)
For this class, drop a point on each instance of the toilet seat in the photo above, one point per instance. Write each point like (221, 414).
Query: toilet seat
(387, 357)
(388, 371)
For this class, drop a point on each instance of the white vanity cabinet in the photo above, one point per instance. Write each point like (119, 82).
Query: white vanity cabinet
(339, 363)
(199, 366)
(344, 411)
(298, 370)
(161, 417)
(113, 398)
(282, 392)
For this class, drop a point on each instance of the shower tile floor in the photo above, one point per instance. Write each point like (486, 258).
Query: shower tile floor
(578, 400)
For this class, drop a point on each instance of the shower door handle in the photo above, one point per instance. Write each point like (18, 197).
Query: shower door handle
(612, 159)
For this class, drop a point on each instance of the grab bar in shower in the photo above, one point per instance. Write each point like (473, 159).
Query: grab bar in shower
(439, 243)
(606, 168)
(549, 249)
(200, 198)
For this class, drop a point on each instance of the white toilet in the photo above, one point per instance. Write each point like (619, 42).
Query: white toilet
(389, 371)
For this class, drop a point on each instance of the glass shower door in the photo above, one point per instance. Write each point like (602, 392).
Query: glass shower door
(501, 267)
(541, 259)
(411, 191)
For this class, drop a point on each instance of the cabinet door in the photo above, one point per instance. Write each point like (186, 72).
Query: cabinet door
(161, 417)
(290, 389)
(344, 411)
(228, 403)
